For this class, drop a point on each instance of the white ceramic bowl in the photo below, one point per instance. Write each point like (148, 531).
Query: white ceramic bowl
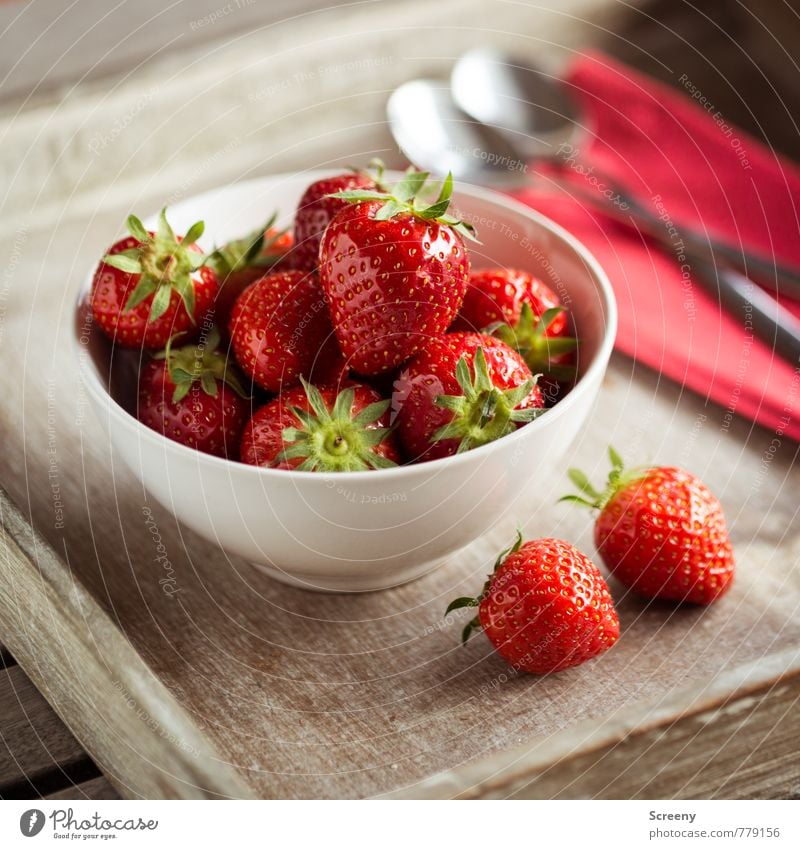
(363, 530)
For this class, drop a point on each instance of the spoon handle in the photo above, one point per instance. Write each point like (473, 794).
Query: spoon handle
(623, 207)
(759, 311)
(738, 294)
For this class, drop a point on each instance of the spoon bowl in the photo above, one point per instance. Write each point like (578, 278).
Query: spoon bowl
(527, 105)
(437, 136)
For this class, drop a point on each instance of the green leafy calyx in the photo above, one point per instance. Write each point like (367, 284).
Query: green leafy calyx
(164, 264)
(256, 250)
(529, 338)
(411, 197)
(200, 363)
(483, 412)
(467, 601)
(618, 478)
(335, 440)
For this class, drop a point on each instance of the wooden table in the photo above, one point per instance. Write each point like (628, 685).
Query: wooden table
(38, 754)
(749, 747)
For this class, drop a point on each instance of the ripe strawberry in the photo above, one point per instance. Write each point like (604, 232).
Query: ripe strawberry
(321, 430)
(194, 397)
(317, 208)
(240, 262)
(461, 391)
(279, 327)
(545, 607)
(525, 313)
(660, 531)
(152, 286)
(394, 273)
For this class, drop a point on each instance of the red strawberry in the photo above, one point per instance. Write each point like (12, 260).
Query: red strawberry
(463, 390)
(660, 531)
(278, 328)
(317, 208)
(545, 607)
(322, 430)
(394, 273)
(243, 261)
(152, 286)
(192, 396)
(522, 311)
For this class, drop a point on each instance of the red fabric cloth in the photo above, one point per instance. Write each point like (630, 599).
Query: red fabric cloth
(659, 143)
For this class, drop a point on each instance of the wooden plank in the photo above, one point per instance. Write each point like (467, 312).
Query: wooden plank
(141, 718)
(96, 788)
(734, 737)
(36, 749)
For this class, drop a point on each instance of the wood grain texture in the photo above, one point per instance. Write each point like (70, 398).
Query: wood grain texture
(97, 788)
(732, 737)
(36, 749)
(116, 707)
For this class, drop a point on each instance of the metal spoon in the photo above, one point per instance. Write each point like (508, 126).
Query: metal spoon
(437, 136)
(531, 107)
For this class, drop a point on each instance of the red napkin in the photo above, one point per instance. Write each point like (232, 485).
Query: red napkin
(687, 163)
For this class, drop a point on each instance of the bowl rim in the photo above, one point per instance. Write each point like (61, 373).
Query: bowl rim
(96, 387)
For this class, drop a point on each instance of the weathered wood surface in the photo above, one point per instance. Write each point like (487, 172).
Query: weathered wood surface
(90, 674)
(260, 689)
(37, 752)
(731, 738)
(96, 788)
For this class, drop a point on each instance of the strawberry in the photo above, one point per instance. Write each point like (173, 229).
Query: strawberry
(321, 430)
(525, 313)
(279, 327)
(463, 390)
(152, 286)
(394, 272)
(194, 397)
(545, 607)
(660, 531)
(317, 208)
(240, 262)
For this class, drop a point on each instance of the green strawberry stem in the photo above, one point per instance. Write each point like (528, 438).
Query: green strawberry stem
(406, 197)
(529, 338)
(164, 264)
(335, 440)
(250, 251)
(376, 171)
(199, 363)
(467, 601)
(618, 478)
(483, 412)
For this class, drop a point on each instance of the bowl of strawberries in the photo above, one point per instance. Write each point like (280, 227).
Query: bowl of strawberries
(344, 378)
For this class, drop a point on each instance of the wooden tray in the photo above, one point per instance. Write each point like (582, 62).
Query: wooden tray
(186, 674)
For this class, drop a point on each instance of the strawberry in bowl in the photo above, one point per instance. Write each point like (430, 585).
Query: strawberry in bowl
(322, 429)
(463, 390)
(394, 269)
(525, 313)
(193, 395)
(152, 285)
